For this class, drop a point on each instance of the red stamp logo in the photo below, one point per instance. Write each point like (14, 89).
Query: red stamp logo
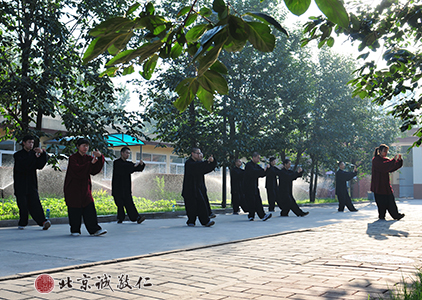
(44, 284)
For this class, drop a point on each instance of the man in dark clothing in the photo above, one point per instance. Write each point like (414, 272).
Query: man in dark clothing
(287, 202)
(271, 184)
(194, 190)
(121, 186)
(341, 187)
(237, 187)
(27, 162)
(77, 189)
(253, 172)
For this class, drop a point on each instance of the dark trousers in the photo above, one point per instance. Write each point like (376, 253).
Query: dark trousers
(386, 203)
(126, 202)
(255, 206)
(197, 207)
(272, 198)
(344, 200)
(29, 203)
(288, 204)
(236, 202)
(89, 215)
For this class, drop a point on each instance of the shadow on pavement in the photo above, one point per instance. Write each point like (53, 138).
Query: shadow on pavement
(380, 230)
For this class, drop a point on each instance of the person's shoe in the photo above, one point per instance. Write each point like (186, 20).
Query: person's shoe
(340, 210)
(140, 219)
(46, 225)
(399, 217)
(209, 224)
(99, 232)
(266, 217)
(191, 225)
(119, 222)
(212, 215)
(271, 210)
(250, 219)
(75, 234)
(283, 215)
(21, 227)
(235, 213)
(354, 210)
(381, 219)
(305, 213)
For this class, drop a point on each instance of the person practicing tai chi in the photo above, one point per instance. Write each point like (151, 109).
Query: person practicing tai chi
(253, 172)
(121, 186)
(380, 182)
(27, 162)
(194, 190)
(271, 184)
(237, 187)
(341, 187)
(287, 202)
(78, 186)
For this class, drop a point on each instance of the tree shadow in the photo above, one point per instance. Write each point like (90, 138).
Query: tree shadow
(380, 230)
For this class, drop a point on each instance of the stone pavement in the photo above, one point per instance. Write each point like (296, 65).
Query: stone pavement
(339, 256)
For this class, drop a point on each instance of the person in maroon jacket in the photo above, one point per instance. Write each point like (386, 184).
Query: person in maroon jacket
(380, 182)
(77, 189)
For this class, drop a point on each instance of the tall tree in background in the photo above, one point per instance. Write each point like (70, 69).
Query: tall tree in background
(42, 73)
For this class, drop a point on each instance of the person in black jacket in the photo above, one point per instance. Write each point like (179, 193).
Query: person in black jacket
(253, 172)
(27, 162)
(194, 190)
(271, 184)
(287, 202)
(237, 187)
(341, 188)
(121, 186)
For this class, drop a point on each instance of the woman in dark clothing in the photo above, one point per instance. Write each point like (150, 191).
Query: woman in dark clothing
(380, 182)
(341, 188)
(287, 202)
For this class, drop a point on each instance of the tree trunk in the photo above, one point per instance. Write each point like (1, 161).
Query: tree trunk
(311, 181)
(315, 182)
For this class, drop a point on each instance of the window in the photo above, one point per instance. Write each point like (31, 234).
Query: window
(177, 164)
(155, 163)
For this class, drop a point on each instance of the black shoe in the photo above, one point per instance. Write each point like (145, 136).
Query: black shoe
(340, 210)
(283, 215)
(399, 217)
(266, 217)
(191, 224)
(235, 213)
(212, 215)
(354, 210)
(209, 224)
(305, 213)
(119, 222)
(140, 219)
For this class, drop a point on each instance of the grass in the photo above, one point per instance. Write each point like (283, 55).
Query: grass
(104, 204)
(408, 291)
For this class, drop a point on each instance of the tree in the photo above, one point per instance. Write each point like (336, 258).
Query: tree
(42, 74)
(395, 26)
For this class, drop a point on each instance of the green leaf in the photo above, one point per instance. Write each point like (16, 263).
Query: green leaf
(334, 11)
(149, 66)
(213, 81)
(238, 28)
(176, 50)
(205, 12)
(321, 43)
(149, 8)
(183, 11)
(132, 8)
(128, 70)
(260, 36)
(219, 6)
(234, 45)
(98, 46)
(186, 90)
(111, 72)
(206, 98)
(192, 18)
(363, 56)
(219, 67)
(330, 42)
(142, 53)
(209, 59)
(268, 20)
(113, 26)
(206, 39)
(196, 32)
(297, 7)
(120, 43)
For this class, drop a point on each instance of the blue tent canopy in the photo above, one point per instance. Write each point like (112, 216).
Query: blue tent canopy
(121, 139)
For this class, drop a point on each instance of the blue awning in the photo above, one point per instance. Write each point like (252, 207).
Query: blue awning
(121, 139)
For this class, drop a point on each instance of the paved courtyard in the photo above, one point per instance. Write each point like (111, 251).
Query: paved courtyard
(327, 255)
